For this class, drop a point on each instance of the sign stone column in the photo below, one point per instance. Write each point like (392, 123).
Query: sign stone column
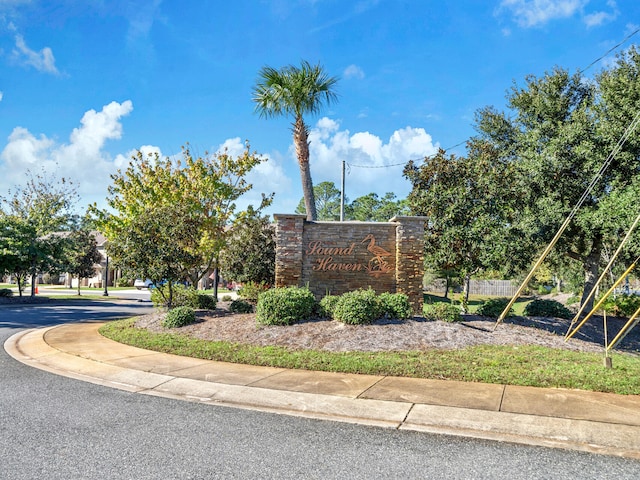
(289, 246)
(410, 259)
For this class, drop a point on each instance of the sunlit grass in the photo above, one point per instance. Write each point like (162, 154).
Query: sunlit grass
(475, 301)
(522, 365)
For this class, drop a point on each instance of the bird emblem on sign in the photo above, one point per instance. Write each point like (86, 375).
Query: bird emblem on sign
(377, 265)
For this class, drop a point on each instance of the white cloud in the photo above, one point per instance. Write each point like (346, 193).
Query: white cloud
(121, 162)
(353, 71)
(82, 159)
(1, 96)
(43, 60)
(369, 158)
(267, 177)
(530, 13)
(599, 18)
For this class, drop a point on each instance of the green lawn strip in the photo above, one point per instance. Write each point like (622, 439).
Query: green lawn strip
(475, 301)
(523, 365)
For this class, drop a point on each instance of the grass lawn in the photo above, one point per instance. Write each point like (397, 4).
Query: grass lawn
(523, 365)
(221, 291)
(475, 301)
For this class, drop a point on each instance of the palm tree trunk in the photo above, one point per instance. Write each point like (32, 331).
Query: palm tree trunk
(301, 141)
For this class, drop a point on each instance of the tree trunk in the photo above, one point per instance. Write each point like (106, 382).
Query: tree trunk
(216, 279)
(33, 284)
(446, 288)
(78, 286)
(465, 293)
(170, 299)
(301, 142)
(591, 265)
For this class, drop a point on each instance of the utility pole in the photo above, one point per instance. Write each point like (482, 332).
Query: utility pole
(342, 195)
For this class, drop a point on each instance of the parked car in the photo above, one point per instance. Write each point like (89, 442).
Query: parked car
(140, 284)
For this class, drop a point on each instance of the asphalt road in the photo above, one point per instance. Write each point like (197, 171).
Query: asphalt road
(59, 428)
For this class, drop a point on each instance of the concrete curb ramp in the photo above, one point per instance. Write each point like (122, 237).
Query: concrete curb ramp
(572, 419)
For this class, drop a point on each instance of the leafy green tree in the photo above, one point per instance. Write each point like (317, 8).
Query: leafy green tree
(250, 253)
(296, 91)
(327, 201)
(560, 130)
(469, 203)
(15, 240)
(371, 208)
(32, 213)
(81, 255)
(172, 218)
(161, 245)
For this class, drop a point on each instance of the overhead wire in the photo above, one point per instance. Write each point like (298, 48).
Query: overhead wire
(405, 162)
(630, 128)
(610, 50)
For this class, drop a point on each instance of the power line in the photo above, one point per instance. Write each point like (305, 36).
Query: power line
(460, 143)
(611, 50)
(587, 192)
(404, 163)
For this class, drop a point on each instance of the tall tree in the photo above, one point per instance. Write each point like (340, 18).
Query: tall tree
(469, 202)
(172, 217)
(371, 208)
(327, 201)
(559, 132)
(35, 210)
(296, 91)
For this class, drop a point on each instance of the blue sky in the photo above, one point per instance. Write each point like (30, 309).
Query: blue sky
(85, 84)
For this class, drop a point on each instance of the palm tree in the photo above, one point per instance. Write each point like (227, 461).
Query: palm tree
(296, 91)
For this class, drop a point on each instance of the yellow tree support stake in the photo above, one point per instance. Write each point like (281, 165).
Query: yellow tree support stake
(533, 270)
(633, 321)
(604, 273)
(628, 131)
(602, 300)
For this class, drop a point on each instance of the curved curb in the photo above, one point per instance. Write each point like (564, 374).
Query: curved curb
(585, 421)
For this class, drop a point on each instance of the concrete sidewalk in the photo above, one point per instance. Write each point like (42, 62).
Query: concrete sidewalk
(594, 422)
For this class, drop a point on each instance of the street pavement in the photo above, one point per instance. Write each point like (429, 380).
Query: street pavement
(58, 427)
(595, 422)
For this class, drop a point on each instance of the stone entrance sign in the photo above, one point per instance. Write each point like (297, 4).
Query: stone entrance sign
(337, 257)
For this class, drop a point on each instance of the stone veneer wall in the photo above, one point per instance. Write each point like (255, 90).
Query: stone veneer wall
(336, 257)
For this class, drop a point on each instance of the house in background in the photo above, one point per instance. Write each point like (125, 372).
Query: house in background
(103, 270)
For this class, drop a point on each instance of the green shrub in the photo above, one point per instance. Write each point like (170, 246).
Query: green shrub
(284, 306)
(395, 305)
(357, 307)
(250, 291)
(183, 296)
(241, 306)
(227, 298)
(6, 292)
(547, 308)
(206, 302)
(445, 312)
(622, 305)
(327, 305)
(494, 307)
(179, 317)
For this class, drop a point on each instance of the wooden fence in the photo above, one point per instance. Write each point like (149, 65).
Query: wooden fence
(500, 288)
